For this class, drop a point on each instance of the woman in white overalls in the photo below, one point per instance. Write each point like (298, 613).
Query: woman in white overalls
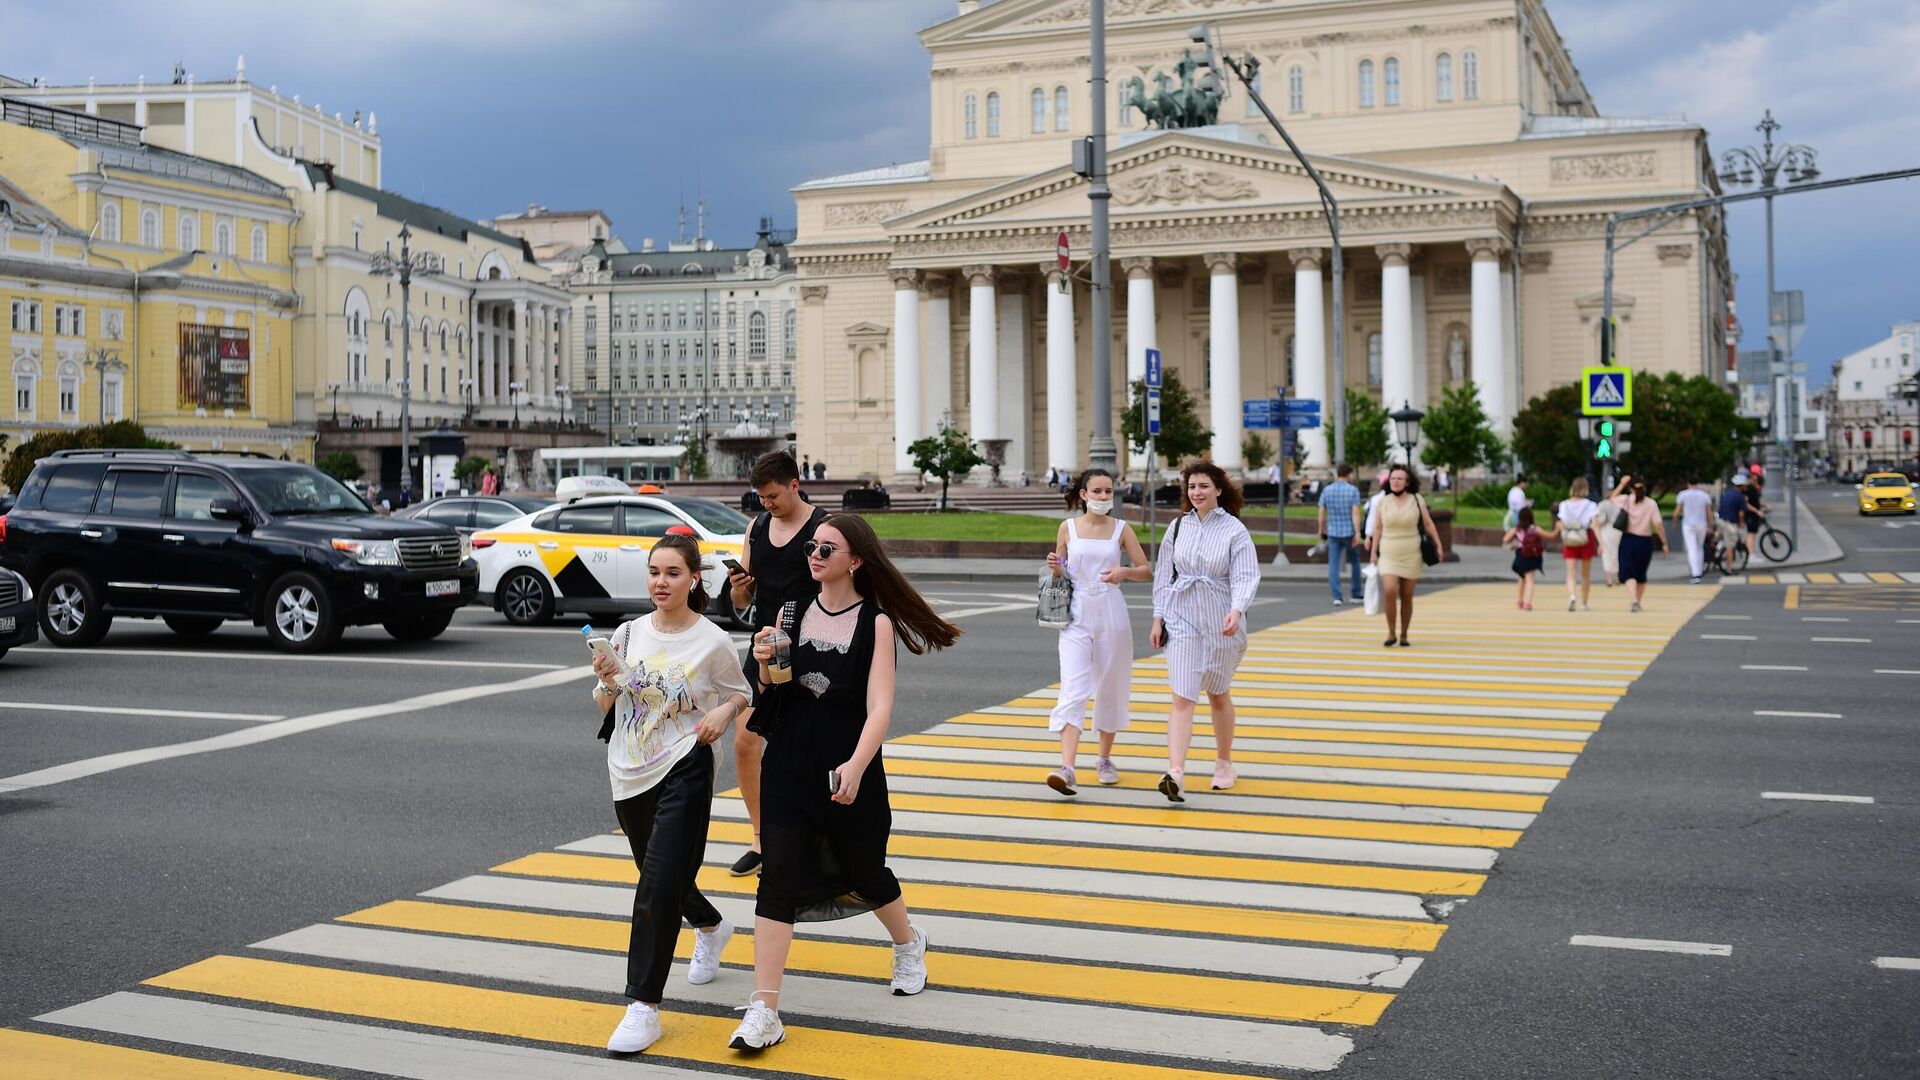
(1096, 649)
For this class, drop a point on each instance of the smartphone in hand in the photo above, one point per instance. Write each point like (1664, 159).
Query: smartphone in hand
(833, 781)
(733, 566)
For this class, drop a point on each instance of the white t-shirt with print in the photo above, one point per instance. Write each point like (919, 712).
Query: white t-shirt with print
(677, 679)
(1577, 513)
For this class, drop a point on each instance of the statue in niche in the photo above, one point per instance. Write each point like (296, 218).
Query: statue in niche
(1456, 358)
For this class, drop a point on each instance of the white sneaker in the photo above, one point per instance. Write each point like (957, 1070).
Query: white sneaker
(910, 965)
(1109, 774)
(639, 1029)
(706, 953)
(760, 1029)
(1337, 602)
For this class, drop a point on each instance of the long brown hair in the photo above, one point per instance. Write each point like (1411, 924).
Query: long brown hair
(1231, 500)
(689, 551)
(915, 622)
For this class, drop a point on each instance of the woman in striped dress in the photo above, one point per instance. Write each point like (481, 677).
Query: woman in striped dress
(1201, 588)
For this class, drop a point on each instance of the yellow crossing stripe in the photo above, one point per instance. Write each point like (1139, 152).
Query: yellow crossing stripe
(1394, 934)
(686, 1036)
(960, 971)
(26, 1055)
(1359, 694)
(1881, 576)
(1286, 712)
(1245, 731)
(1264, 757)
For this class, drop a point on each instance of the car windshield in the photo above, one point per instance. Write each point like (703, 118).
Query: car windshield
(1886, 480)
(298, 489)
(714, 517)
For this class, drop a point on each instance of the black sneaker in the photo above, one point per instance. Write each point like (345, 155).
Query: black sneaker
(748, 864)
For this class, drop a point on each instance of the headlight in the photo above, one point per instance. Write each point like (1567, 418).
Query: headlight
(466, 548)
(369, 552)
(26, 590)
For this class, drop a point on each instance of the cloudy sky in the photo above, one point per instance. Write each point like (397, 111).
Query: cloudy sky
(487, 105)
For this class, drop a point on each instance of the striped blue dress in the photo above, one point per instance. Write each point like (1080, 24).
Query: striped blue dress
(1217, 573)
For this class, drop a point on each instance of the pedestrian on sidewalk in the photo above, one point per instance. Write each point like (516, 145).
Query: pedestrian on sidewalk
(1517, 500)
(825, 819)
(1578, 520)
(773, 570)
(1692, 514)
(1096, 647)
(1642, 516)
(1529, 549)
(1202, 585)
(1393, 545)
(1340, 529)
(682, 687)
(1732, 515)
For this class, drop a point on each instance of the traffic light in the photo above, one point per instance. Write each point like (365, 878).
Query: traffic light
(1610, 438)
(1608, 330)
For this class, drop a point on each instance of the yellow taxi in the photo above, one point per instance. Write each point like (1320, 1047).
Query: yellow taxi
(1885, 493)
(589, 553)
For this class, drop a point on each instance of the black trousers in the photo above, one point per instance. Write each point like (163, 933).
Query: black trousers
(666, 827)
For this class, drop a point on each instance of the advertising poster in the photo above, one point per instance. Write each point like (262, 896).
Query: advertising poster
(216, 363)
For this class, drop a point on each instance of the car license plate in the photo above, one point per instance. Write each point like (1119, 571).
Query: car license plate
(6, 625)
(443, 588)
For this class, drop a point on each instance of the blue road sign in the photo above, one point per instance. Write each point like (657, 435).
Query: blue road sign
(1606, 391)
(1296, 406)
(1153, 405)
(1260, 414)
(1153, 369)
(1300, 421)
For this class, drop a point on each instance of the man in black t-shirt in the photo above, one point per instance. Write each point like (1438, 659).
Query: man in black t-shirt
(773, 572)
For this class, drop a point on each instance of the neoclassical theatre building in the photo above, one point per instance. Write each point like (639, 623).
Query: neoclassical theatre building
(1474, 172)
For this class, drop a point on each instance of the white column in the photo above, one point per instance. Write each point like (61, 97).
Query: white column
(523, 342)
(1223, 358)
(1310, 351)
(1063, 395)
(983, 356)
(937, 348)
(1421, 356)
(1396, 326)
(1142, 332)
(1490, 374)
(1013, 359)
(907, 424)
(1509, 353)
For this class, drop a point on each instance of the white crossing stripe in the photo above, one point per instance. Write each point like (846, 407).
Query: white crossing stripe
(1897, 963)
(1894, 671)
(1141, 738)
(1771, 667)
(1806, 715)
(1846, 640)
(1790, 577)
(1855, 578)
(1807, 796)
(1728, 637)
(1910, 576)
(1691, 948)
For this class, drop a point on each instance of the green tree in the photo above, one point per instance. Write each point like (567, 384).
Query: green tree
(1457, 433)
(469, 470)
(1255, 450)
(945, 455)
(340, 465)
(1546, 436)
(119, 435)
(1182, 433)
(695, 458)
(1367, 423)
(1685, 427)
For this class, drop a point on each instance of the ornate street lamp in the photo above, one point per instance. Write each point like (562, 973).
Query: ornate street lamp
(466, 400)
(104, 360)
(334, 389)
(1406, 423)
(408, 266)
(513, 391)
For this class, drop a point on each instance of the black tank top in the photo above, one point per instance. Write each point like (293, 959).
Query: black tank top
(780, 572)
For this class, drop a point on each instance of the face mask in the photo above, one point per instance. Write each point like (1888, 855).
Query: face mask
(1100, 506)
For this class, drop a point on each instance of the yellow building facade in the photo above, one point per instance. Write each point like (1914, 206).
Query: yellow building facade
(143, 284)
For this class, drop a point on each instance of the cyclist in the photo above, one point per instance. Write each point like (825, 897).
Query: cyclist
(1756, 511)
(1732, 512)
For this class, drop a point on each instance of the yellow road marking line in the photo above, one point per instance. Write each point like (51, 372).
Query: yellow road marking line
(1174, 864)
(1793, 597)
(1883, 577)
(1761, 579)
(1291, 789)
(1821, 578)
(1284, 712)
(1264, 757)
(1244, 731)
(688, 1036)
(1254, 679)
(1039, 978)
(31, 1056)
(1108, 911)
(1390, 696)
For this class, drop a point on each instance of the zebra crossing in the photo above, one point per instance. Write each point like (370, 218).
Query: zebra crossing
(1817, 577)
(1256, 932)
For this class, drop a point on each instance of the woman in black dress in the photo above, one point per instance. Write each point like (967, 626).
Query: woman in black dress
(824, 818)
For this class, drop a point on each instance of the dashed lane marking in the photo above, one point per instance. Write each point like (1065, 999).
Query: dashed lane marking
(1688, 948)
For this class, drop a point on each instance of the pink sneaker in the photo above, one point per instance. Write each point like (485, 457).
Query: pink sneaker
(1223, 775)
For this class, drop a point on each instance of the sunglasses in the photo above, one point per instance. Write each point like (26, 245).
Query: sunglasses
(823, 549)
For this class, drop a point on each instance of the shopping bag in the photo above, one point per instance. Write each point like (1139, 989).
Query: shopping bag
(1054, 607)
(1371, 597)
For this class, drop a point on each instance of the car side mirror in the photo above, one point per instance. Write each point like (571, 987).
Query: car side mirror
(230, 510)
(1859, 487)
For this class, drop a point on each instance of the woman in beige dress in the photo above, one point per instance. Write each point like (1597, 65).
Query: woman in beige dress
(1393, 546)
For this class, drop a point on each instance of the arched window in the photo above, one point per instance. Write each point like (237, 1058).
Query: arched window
(1390, 75)
(1061, 118)
(1443, 77)
(993, 115)
(757, 336)
(1123, 110)
(443, 341)
(1470, 75)
(149, 229)
(387, 327)
(1296, 89)
(1366, 84)
(189, 231)
(259, 244)
(223, 239)
(1039, 108)
(791, 344)
(1373, 358)
(970, 114)
(110, 223)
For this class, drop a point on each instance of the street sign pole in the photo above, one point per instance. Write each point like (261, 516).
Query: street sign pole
(1280, 496)
(1150, 423)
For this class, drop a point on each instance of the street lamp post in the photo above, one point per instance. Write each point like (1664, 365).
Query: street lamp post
(1743, 165)
(1406, 424)
(561, 392)
(513, 391)
(408, 266)
(334, 389)
(103, 361)
(466, 401)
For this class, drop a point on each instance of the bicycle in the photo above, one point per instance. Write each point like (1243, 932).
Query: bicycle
(1774, 543)
(1713, 559)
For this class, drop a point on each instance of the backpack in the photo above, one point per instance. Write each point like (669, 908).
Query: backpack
(1532, 543)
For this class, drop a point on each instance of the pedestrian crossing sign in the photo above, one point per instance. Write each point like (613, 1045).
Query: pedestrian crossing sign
(1606, 391)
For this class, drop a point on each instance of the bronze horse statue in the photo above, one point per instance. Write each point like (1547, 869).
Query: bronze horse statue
(1189, 106)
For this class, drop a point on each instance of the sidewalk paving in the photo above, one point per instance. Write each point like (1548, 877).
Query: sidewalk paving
(1476, 563)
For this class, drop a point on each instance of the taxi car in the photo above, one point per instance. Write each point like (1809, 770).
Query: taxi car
(589, 553)
(1885, 493)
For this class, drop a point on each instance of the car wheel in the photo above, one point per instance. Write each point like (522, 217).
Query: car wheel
(300, 614)
(420, 627)
(526, 599)
(70, 613)
(193, 625)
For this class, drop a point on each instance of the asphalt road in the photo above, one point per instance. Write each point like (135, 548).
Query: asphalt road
(1871, 543)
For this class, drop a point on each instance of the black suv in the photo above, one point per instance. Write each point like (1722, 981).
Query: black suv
(197, 539)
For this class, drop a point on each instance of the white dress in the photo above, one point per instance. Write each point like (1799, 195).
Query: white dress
(1096, 648)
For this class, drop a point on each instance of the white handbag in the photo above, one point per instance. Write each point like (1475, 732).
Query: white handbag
(1054, 606)
(1371, 597)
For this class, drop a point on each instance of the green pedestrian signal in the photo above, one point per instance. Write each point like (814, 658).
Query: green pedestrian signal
(1603, 440)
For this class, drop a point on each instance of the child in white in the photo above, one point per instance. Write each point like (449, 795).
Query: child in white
(1096, 648)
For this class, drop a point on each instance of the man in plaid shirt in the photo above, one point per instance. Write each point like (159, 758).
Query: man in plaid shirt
(1340, 527)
